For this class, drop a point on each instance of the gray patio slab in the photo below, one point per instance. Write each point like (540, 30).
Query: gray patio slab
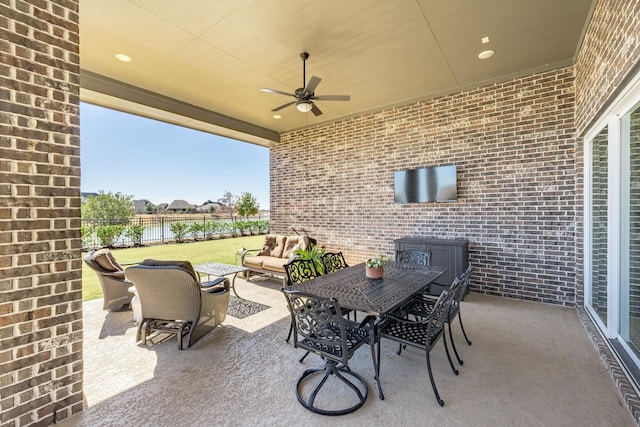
(529, 365)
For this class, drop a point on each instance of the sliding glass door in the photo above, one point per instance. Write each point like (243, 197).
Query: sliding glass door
(630, 231)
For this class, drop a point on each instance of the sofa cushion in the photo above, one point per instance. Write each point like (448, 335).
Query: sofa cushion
(279, 249)
(274, 264)
(254, 261)
(268, 245)
(292, 242)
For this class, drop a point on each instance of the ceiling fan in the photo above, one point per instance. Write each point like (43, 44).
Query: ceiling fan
(306, 95)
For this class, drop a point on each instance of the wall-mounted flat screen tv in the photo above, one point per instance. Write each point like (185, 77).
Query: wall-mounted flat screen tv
(433, 184)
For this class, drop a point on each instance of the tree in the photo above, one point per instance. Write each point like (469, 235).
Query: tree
(247, 205)
(229, 200)
(108, 208)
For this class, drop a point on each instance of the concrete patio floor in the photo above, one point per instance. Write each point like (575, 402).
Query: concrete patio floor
(529, 365)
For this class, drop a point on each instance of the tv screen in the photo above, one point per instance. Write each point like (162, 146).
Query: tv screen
(433, 184)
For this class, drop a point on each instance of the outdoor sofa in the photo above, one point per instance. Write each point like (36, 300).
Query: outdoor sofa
(276, 251)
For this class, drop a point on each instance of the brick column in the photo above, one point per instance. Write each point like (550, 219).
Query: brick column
(40, 259)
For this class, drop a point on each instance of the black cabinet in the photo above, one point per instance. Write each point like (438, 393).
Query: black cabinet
(450, 253)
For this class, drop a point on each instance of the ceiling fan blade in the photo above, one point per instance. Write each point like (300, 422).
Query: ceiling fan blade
(284, 106)
(312, 85)
(333, 98)
(315, 110)
(278, 92)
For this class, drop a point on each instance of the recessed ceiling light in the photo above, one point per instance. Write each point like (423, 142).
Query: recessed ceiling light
(485, 40)
(277, 116)
(486, 54)
(122, 57)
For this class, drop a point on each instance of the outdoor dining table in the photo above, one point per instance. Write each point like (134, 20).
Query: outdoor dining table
(377, 297)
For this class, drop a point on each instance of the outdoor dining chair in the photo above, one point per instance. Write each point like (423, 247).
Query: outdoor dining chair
(423, 306)
(333, 261)
(422, 333)
(320, 328)
(298, 271)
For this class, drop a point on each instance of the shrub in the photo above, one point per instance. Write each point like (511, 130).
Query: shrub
(179, 230)
(195, 229)
(135, 232)
(107, 234)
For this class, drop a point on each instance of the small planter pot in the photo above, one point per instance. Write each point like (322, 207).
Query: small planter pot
(373, 273)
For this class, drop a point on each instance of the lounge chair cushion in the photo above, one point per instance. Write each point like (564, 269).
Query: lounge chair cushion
(182, 264)
(106, 261)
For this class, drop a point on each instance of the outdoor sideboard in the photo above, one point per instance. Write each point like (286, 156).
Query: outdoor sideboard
(449, 253)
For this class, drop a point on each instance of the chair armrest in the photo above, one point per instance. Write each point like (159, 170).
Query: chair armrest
(247, 252)
(118, 274)
(215, 286)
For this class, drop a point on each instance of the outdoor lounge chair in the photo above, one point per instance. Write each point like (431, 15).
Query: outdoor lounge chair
(173, 301)
(115, 287)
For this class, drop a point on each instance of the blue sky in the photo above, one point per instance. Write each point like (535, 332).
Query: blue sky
(161, 162)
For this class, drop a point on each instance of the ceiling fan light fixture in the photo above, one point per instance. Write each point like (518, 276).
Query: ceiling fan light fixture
(304, 106)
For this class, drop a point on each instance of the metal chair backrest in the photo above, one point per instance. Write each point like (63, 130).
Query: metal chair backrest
(319, 326)
(333, 261)
(438, 317)
(413, 257)
(300, 270)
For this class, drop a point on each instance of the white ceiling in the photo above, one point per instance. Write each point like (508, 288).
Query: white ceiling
(202, 63)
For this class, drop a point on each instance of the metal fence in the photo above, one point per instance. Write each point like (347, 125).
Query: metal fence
(156, 229)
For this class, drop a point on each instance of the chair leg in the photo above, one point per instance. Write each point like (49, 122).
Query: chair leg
(339, 372)
(400, 348)
(446, 349)
(290, 331)
(303, 357)
(453, 345)
(462, 327)
(433, 383)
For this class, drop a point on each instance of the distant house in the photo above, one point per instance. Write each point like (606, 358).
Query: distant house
(210, 206)
(162, 207)
(142, 206)
(180, 206)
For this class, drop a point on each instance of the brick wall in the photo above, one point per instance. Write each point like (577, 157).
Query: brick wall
(514, 147)
(610, 52)
(40, 266)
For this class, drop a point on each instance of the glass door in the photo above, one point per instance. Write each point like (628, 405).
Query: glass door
(630, 231)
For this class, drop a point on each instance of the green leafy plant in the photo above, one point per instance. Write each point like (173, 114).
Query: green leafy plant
(135, 232)
(107, 234)
(377, 262)
(196, 229)
(314, 253)
(179, 230)
(247, 205)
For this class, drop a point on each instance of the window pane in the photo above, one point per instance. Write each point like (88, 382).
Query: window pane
(599, 224)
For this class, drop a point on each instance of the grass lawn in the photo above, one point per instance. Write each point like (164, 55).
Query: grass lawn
(222, 250)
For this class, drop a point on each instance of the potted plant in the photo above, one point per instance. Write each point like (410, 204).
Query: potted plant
(374, 267)
(314, 253)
